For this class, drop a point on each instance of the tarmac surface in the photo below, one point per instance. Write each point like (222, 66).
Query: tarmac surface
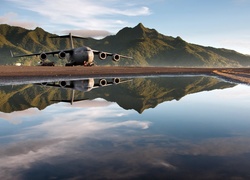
(236, 74)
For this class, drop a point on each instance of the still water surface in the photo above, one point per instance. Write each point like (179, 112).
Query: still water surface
(147, 128)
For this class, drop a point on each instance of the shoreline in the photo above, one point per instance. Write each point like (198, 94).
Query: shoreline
(235, 74)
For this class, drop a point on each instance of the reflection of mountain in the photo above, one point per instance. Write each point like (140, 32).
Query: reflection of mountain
(25, 96)
(142, 94)
(139, 94)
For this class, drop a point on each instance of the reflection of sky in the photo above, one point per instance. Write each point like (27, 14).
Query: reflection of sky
(205, 112)
(194, 136)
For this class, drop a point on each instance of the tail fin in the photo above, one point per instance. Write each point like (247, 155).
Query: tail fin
(72, 96)
(11, 54)
(70, 38)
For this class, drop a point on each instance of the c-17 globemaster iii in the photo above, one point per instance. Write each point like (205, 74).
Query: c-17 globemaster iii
(84, 85)
(83, 56)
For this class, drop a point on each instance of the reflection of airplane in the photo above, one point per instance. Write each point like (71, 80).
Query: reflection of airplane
(76, 56)
(82, 85)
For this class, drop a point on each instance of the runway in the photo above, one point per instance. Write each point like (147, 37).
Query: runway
(118, 71)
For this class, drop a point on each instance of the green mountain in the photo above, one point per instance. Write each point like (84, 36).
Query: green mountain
(147, 46)
(139, 94)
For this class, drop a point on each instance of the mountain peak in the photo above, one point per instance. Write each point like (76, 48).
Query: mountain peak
(140, 26)
(140, 30)
(39, 30)
(137, 32)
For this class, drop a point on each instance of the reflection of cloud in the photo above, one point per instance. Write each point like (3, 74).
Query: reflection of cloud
(239, 93)
(135, 124)
(165, 165)
(93, 138)
(220, 147)
(90, 103)
(82, 123)
(17, 116)
(24, 155)
(62, 131)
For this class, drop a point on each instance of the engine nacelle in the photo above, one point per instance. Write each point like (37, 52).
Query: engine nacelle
(116, 57)
(43, 56)
(102, 55)
(62, 55)
(44, 83)
(116, 80)
(63, 84)
(103, 82)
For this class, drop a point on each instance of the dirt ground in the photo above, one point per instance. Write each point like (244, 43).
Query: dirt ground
(239, 74)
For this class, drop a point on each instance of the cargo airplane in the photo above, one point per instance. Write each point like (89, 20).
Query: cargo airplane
(84, 85)
(76, 56)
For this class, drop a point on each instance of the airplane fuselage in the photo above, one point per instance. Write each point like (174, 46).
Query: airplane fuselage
(85, 85)
(81, 56)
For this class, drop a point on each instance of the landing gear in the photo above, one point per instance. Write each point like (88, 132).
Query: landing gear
(87, 64)
(69, 64)
(42, 63)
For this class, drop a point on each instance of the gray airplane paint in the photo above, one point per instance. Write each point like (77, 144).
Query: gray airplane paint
(83, 56)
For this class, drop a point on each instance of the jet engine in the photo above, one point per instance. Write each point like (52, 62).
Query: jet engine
(116, 57)
(116, 80)
(63, 84)
(103, 82)
(44, 83)
(43, 56)
(62, 55)
(102, 55)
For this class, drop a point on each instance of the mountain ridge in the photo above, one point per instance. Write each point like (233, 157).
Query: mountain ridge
(139, 94)
(147, 46)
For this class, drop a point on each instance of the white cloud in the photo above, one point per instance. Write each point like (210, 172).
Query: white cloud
(12, 19)
(85, 14)
(88, 33)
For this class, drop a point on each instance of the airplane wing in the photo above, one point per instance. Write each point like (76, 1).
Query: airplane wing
(106, 83)
(70, 101)
(54, 84)
(38, 54)
(97, 85)
(69, 85)
(110, 54)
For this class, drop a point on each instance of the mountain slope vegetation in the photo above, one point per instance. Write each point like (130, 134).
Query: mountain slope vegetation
(147, 46)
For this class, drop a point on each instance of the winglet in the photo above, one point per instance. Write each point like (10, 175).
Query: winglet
(11, 54)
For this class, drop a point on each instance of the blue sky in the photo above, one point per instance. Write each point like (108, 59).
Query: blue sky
(222, 24)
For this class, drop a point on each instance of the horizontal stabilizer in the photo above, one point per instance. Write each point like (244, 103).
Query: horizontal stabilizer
(68, 36)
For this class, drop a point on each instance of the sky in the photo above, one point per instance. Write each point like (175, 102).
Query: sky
(216, 23)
